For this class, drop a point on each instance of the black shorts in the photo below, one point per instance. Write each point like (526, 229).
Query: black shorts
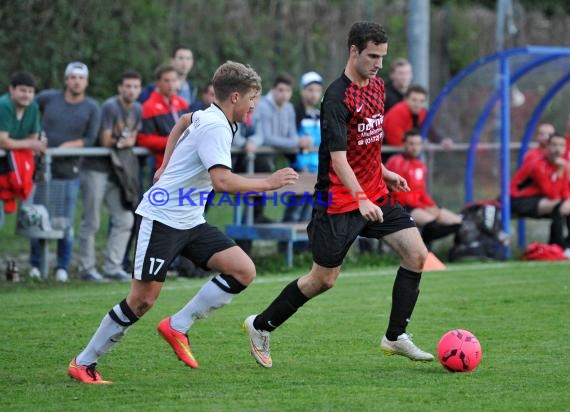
(332, 235)
(525, 206)
(158, 244)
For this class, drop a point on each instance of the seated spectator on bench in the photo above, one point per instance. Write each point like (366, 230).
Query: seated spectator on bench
(435, 222)
(543, 132)
(540, 189)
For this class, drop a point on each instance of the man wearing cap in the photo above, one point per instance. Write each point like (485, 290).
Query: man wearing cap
(307, 115)
(70, 119)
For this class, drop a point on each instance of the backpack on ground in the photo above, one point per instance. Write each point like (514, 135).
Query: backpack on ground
(480, 236)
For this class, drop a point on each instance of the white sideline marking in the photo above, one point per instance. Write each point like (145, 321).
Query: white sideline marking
(385, 271)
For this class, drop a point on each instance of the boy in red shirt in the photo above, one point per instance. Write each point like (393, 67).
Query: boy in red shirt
(435, 222)
(540, 189)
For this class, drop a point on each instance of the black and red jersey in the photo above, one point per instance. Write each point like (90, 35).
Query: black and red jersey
(351, 121)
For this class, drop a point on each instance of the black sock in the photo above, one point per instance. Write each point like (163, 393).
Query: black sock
(556, 230)
(428, 232)
(434, 230)
(404, 296)
(282, 308)
(567, 232)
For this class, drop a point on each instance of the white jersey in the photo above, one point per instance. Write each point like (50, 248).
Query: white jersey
(179, 196)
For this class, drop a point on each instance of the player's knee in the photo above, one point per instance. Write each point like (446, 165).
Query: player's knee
(142, 304)
(327, 283)
(245, 273)
(565, 208)
(415, 259)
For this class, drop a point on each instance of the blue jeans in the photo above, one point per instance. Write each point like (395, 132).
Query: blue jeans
(65, 245)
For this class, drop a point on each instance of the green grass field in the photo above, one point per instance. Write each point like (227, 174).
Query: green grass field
(326, 358)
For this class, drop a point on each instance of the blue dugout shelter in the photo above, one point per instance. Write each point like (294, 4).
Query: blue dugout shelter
(500, 99)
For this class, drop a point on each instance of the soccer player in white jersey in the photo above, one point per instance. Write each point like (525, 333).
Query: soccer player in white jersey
(171, 221)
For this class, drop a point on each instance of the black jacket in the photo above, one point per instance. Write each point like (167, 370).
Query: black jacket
(125, 166)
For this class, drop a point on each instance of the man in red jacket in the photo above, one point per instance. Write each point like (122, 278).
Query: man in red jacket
(435, 222)
(540, 189)
(410, 113)
(160, 112)
(543, 132)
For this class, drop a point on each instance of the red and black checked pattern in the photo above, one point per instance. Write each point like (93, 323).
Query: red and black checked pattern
(364, 142)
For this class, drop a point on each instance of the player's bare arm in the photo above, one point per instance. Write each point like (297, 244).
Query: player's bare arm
(182, 124)
(223, 180)
(31, 142)
(342, 168)
(394, 180)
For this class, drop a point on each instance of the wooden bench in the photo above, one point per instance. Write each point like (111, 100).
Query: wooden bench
(289, 232)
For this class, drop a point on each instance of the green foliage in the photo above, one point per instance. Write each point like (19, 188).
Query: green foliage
(43, 36)
(326, 358)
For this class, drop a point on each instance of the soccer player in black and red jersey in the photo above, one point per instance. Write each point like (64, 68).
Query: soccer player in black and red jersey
(351, 170)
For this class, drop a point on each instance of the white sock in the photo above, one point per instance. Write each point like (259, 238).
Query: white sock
(108, 333)
(209, 297)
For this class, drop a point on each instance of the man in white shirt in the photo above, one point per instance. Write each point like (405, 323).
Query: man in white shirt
(171, 222)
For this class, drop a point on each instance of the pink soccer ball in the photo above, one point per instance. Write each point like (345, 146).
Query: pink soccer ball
(459, 351)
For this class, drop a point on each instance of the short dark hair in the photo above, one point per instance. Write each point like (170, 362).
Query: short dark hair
(163, 68)
(22, 79)
(364, 31)
(411, 132)
(556, 135)
(415, 88)
(130, 74)
(204, 88)
(284, 78)
(179, 47)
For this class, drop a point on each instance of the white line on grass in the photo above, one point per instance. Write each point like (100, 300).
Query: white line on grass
(385, 271)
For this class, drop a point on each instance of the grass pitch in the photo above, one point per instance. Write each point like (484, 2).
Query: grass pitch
(326, 358)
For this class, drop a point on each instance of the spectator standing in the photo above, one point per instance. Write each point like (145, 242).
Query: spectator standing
(206, 98)
(120, 123)
(19, 129)
(160, 112)
(408, 114)
(183, 61)
(308, 118)
(70, 120)
(275, 115)
(396, 87)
